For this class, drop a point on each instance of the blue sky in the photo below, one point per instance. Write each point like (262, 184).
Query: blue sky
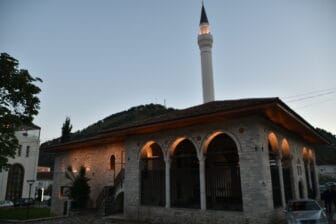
(101, 57)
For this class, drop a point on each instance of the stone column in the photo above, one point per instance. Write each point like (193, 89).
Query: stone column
(282, 187)
(316, 181)
(309, 176)
(293, 176)
(167, 162)
(202, 182)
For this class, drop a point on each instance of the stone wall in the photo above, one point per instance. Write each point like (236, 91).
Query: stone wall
(96, 160)
(254, 166)
(251, 137)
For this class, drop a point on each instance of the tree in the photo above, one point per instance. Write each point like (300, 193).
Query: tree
(66, 130)
(18, 104)
(79, 189)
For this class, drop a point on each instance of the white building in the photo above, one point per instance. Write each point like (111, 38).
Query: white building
(14, 183)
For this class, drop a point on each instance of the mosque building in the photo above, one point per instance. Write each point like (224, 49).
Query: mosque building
(231, 161)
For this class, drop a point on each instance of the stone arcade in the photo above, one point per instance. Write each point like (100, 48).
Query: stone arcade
(231, 161)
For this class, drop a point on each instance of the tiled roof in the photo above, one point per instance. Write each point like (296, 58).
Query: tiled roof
(203, 109)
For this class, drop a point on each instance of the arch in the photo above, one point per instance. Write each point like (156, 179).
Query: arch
(223, 184)
(285, 150)
(273, 157)
(212, 135)
(287, 170)
(305, 156)
(176, 142)
(152, 169)
(305, 153)
(184, 173)
(273, 143)
(312, 190)
(15, 182)
(311, 155)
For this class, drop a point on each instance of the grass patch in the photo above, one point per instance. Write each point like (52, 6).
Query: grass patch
(22, 213)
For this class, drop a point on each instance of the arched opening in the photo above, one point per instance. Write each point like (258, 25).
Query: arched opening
(152, 168)
(286, 170)
(312, 192)
(15, 182)
(273, 153)
(184, 173)
(223, 185)
(305, 156)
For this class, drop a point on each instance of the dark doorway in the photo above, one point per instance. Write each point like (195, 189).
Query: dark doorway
(223, 186)
(152, 176)
(274, 168)
(184, 173)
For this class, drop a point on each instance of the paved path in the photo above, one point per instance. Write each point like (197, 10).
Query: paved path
(80, 219)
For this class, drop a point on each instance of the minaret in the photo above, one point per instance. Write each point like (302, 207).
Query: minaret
(205, 45)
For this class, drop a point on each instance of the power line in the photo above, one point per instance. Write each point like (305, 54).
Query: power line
(311, 97)
(311, 104)
(310, 93)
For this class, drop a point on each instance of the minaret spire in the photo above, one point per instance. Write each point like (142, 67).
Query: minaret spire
(204, 18)
(205, 41)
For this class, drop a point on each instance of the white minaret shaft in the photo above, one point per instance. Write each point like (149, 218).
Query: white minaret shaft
(205, 45)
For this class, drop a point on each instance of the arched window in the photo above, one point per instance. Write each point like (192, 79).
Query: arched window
(273, 154)
(286, 169)
(184, 173)
(15, 182)
(152, 168)
(112, 163)
(223, 185)
(312, 192)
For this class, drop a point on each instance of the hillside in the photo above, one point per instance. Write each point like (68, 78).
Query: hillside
(134, 114)
(326, 154)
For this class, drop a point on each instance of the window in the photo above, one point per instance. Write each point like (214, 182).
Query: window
(27, 151)
(15, 182)
(19, 150)
(112, 162)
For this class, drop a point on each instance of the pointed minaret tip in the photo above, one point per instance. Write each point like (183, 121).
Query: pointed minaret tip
(204, 18)
(204, 23)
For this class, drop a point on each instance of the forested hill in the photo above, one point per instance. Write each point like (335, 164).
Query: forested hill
(326, 154)
(134, 114)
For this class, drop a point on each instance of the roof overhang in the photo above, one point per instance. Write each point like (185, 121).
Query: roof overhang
(275, 111)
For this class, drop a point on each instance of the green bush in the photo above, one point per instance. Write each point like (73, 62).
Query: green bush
(79, 189)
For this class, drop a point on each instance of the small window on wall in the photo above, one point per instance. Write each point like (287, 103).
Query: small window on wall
(19, 150)
(27, 151)
(112, 162)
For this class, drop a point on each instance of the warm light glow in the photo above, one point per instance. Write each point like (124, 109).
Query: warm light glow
(285, 148)
(173, 147)
(146, 151)
(88, 169)
(273, 140)
(211, 137)
(204, 29)
(310, 154)
(305, 153)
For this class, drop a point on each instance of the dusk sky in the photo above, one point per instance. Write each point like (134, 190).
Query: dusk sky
(97, 58)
